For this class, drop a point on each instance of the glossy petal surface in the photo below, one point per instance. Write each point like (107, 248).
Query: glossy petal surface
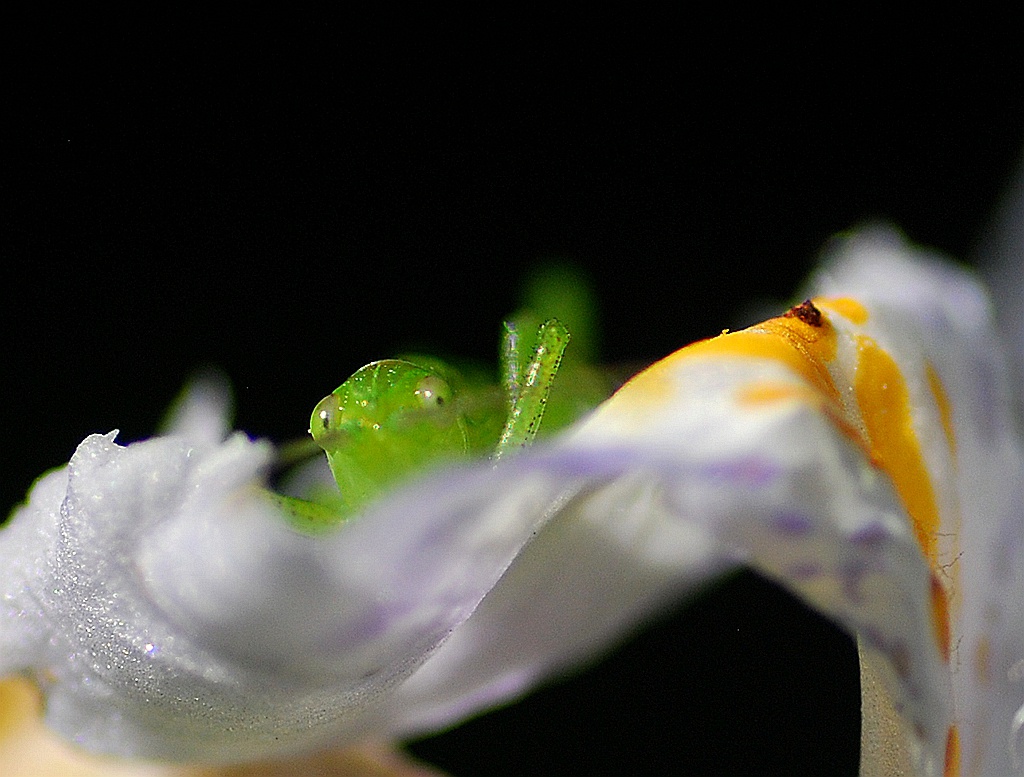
(859, 449)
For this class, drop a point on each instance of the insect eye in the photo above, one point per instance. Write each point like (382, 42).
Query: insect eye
(326, 418)
(433, 392)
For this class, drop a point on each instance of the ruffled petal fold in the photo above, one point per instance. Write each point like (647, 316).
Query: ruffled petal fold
(859, 449)
(168, 611)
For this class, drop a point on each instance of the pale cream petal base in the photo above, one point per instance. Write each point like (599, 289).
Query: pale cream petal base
(884, 740)
(29, 749)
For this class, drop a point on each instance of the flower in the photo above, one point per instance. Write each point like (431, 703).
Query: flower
(859, 450)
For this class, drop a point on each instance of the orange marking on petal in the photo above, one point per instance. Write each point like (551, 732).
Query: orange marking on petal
(952, 765)
(767, 393)
(789, 340)
(943, 403)
(940, 616)
(885, 408)
(847, 307)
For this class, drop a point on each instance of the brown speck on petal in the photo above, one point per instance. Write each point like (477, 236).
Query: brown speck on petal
(806, 312)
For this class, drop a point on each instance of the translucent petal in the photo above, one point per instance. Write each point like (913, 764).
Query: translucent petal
(859, 450)
(867, 461)
(171, 613)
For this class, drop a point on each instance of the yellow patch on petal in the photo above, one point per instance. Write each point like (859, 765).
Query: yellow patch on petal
(802, 341)
(802, 346)
(19, 702)
(884, 403)
(952, 765)
(940, 616)
(944, 405)
(29, 749)
(770, 393)
(885, 408)
(848, 308)
(805, 341)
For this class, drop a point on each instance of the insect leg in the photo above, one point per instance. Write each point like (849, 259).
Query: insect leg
(527, 408)
(511, 359)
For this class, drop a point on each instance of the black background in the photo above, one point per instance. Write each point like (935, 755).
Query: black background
(287, 204)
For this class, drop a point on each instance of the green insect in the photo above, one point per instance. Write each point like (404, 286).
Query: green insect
(395, 418)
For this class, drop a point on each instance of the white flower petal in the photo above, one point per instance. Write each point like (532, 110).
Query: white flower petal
(896, 514)
(864, 460)
(936, 317)
(581, 585)
(1001, 259)
(202, 412)
(169, 612)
